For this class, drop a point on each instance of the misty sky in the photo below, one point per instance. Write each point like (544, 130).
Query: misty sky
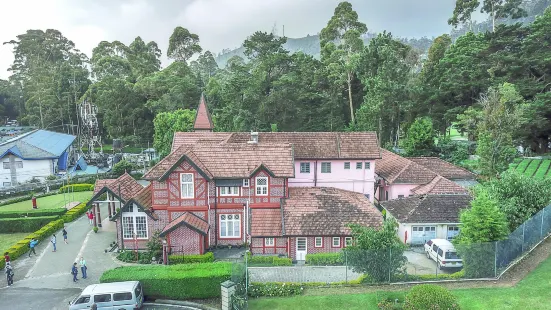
(219, 23)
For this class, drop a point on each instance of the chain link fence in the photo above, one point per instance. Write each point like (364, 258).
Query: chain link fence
(239, 299)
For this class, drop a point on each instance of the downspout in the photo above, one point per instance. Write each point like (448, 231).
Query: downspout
(208, 206)
(120, 210)
(245, 219)
(215, 215)
(363, 183)
(316, 173)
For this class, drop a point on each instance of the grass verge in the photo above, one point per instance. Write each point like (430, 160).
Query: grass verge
(49, 202)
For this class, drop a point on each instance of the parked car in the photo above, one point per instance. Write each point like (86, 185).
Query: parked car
(117, 295)
(443, 253)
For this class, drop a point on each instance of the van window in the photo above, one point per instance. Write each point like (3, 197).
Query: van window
(138, 290)
(434, 248)
(122, 296)
(102, 298)
(452, 255)
(440, 253)
(82, 300)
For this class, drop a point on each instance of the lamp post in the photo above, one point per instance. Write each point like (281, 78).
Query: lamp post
(165, 258)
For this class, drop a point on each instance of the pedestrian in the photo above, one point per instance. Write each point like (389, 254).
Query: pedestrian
(7, 257)
(65, 235)
(94, 307)
(74, 272)
(9, 273)
(53, 241)
(32, 244)
(83, 267)
(91, 217)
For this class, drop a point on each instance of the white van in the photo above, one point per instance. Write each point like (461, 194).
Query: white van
(110, 296)
(443, 252)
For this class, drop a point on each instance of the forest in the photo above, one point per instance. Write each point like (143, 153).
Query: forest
(473, 80)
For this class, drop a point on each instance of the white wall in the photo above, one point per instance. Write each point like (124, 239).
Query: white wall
(39, 169)
(441, 230)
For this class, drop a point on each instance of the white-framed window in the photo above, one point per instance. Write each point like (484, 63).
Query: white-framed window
(304, 167)
(141, 226)
(269, 242)
(19, 164)
(7, 184)
(245, 182)
(358, 165)
(347, 241)
(134, 222)
(6, 165)
(229, 191)
(318, 242)
(367, 165)
(262, 186)
(347, 165)
(325, 167)
(186, 185)
(230, 226)
(336, 242)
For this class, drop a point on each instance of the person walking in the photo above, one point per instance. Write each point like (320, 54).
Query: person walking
(91, 217)
(83, 267)
(7, 258)
(32, 244)
(9, 273)
(74, 272)
(65, 235)
(53, 241)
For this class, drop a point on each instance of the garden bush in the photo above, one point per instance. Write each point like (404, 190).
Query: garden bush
(75, 212)
(34, 213)
(76, 188)
(21, 247)
(129, 256)
(189, 259)
(325, 259)
(282, 261)
(271, 260)
(275, 289)
(175, 281)
(428, 297)
(24, 224)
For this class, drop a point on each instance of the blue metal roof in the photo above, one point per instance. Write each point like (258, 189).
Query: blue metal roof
(52, 142)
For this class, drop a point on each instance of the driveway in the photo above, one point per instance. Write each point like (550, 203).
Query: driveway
(49, 272)
(302, 274)
(418, 263)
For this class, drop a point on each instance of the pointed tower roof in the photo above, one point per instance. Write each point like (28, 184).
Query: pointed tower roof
(203, 122)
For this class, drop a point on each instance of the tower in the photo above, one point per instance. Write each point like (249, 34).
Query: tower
(203, 121)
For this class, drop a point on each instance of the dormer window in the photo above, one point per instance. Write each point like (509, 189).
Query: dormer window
(262, 186)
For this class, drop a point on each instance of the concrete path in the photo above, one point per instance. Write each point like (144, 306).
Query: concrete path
(51, 270)
(302, 274)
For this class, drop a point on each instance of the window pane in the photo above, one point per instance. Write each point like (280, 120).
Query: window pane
(358, 165)
(122, 296)
(223, 228)
(236, 228)
(141, 226)
(346, 165)
(127, 227)
(367, 165)
(102, 298)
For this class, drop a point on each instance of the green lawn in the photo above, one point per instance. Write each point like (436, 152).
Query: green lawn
(49, 202)
(537, 168)
(532, 293)
(7, 240)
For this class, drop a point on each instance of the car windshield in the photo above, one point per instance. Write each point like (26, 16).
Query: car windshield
(452, 255)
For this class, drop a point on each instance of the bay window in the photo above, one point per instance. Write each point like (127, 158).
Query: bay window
(134, 223)
(230, 226)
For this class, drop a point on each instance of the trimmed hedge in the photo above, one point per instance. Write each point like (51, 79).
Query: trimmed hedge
(34, 213)
(21, 247)
(188, 259)
(175, 281)
(26, 197)
(275, 289)
(325, 259)
(430, 296)
(75, 212)
(24, 224)
(282, 261)
(76, 188)
(269, 260)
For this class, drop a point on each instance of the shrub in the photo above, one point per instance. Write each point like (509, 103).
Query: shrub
(269, 260)
(429, 296)
(76, 188)
(21, 247)
(175, 281)
(34, 213)
(282, 261)
(24, 224)
(390, 300)
(325, 259)
(275, 289)
(75, 212)
(129, 256)
(188, 259)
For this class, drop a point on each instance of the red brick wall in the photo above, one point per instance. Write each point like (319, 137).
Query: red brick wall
(310, 246)
(186, 239)
(258, 246)
(167, 193)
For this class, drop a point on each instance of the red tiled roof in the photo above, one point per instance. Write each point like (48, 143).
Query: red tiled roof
(433, 209)
(397, 169)
(200, 137)
(202, 119)
(230, 160)
(326, 211)
(190, 220)
(101, 184)
(439, 185)
(265, 222)
(143, 197)
(444, 168)
(124, 186)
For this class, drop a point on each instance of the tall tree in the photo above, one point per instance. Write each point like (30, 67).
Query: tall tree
(183, 44)
(341, 45)
(166, 124)
(420, 138)
(497, 9)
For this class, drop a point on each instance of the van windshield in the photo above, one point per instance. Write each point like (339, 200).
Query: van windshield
(452, 255)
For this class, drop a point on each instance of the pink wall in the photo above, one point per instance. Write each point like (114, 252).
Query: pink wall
(357, 180)
(400, 189)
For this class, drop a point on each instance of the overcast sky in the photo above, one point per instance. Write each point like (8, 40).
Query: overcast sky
(219, 23)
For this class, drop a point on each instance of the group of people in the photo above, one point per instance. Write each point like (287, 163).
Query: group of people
(32, 244)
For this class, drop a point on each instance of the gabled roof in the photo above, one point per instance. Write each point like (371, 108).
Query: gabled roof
(143, 200)
(397, 169)
(433, 209)
(123, 188)
(199, 137)
(226, 161)
(444, 168)
(266, 222)
(38, 144)
(326, 211)
(439, 185)
(203, 120)
(190, 220)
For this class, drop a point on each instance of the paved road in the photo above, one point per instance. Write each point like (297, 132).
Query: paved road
(302, 274)
(46, 276)
(419, 264)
